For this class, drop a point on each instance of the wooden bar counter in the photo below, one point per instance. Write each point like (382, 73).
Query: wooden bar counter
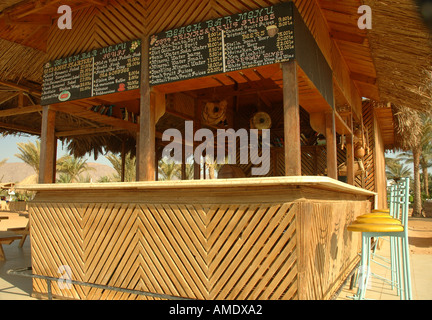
(255, 238)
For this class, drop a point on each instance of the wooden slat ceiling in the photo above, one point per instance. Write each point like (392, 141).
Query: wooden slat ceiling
(353, 43)
(28, 22)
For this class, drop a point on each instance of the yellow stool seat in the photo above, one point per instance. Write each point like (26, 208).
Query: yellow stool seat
(378, 221)
(376, 215)
(375, 227)
(381, 210)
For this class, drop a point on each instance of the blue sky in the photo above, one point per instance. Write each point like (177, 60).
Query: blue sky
(8, 149)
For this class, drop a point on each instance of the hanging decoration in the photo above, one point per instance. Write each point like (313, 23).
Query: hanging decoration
(214, 112)
(261, 120)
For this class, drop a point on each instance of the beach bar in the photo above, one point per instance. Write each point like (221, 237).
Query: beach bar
(298, 80)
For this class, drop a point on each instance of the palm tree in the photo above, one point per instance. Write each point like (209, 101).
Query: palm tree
(412, 131)
(426, 157)
(396, 170)
(104, 179)
(72, 167)
(425, 163)
(64, 178)
(169, 170)
(130, 166)
(30, 154)
(424, 137)
(3, 162)
(214, 166)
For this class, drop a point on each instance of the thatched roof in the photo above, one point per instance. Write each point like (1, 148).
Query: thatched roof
(20, 63)
(407, 127)
(401, 46)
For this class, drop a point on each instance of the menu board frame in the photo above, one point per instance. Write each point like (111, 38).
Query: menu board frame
(241, 41)
(111, 69)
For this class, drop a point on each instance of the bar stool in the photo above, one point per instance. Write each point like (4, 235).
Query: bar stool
(389, 263)
(398, 234)
(381, 210)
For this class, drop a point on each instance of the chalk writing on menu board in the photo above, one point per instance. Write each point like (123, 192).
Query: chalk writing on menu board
(112, 69)
(251, 39)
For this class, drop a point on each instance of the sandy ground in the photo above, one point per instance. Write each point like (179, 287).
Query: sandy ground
(420, 235)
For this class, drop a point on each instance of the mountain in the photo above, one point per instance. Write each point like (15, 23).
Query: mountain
(17, 172)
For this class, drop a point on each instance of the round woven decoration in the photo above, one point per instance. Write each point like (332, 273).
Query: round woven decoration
(261, 121)
(214, 112)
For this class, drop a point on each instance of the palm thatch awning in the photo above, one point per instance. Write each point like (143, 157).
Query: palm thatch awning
(402, 49)
(30, 180)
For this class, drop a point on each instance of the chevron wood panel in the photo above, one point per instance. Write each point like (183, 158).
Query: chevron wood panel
(195, 251)
(96, 27)
(62, 224)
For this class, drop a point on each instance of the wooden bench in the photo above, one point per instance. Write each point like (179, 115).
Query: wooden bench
(12, 234)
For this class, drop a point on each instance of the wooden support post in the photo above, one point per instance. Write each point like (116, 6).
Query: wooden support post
(21, 100)
(350, 154)
(350, 159)
(331, 145)
(197, 125)
(48, 150)
(146, 142)
(183, 165)
(291, 119)
(123, 161)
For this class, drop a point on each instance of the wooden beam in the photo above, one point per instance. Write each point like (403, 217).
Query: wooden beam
(146, 147)
(31, 8)
(86, 131)
(346, 36)
(363, 78)
(350, 162)
(9, 98)
(19, 128)
(291, 119)
(123, 161)
(341, 126)
(350, 159)
(331, 145)
(85, 113)
(48, 147)
(20, 87)
(19, 111)
(43, 20)
(197, 125)
(98, 2)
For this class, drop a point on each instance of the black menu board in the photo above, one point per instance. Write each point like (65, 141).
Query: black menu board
(112, 69)
(241, 41)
